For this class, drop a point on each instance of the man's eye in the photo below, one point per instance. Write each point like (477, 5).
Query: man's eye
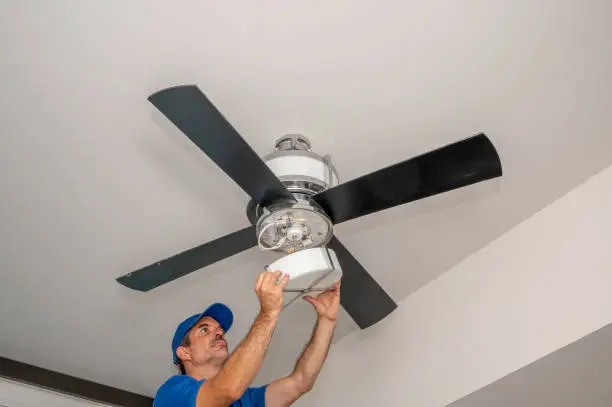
(205, 329)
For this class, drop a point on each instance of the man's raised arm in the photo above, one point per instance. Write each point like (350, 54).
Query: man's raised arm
(241, 367)
(283, 392)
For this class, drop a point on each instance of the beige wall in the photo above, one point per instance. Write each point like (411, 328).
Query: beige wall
(543, 285)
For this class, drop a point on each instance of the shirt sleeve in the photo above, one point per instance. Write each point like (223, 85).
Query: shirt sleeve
(257, 396)
(178, 391)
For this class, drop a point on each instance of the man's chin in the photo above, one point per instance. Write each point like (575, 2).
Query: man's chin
(219, 357)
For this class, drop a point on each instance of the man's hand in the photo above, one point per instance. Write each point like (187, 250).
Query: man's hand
(269, 289)
(326, 304)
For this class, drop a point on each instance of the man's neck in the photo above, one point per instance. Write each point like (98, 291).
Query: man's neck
(206, 372)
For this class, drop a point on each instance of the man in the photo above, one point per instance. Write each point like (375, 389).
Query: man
(212, 378)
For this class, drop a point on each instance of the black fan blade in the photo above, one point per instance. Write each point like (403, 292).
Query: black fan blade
(362, 297)
(456, 165)
(162, 272)
(191, 111)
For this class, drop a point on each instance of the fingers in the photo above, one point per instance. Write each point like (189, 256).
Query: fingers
(269, 289)
(313, 301)
(284, 281)
(309, 299)
(271, 279)
(333, 289)
(275, 277)
(259, 281)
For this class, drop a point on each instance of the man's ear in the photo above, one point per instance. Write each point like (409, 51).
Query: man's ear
(183, 353)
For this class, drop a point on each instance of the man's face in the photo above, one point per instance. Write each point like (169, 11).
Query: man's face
(207, 342)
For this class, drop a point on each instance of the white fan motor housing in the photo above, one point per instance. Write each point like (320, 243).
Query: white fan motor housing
(313, 269)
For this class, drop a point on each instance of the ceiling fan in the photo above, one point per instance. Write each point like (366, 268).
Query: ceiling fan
(296, 197)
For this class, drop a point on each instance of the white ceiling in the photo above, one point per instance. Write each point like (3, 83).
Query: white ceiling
(95, 183)
(576, 375)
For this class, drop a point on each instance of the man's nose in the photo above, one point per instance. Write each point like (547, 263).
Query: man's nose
(219, 335)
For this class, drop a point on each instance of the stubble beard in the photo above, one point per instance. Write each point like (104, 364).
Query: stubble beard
(218, 356)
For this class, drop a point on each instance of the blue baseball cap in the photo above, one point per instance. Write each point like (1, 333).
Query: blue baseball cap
(217, 311)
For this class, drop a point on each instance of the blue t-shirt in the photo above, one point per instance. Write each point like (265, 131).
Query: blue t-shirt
(181, 391)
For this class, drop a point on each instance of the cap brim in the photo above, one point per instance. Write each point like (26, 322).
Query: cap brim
(220, 313)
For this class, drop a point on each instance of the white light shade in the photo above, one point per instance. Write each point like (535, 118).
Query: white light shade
(316, 268)
(295, 165)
